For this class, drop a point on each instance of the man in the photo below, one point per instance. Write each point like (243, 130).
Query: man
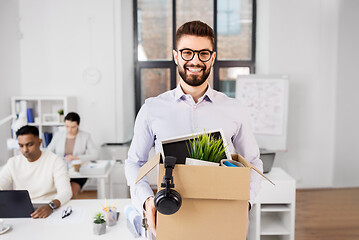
(192, 107)
(42, 173)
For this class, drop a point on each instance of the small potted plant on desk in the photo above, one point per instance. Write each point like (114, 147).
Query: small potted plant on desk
(205, 150)
(99, 226)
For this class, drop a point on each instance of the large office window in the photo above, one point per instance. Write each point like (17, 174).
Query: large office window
(155, 24)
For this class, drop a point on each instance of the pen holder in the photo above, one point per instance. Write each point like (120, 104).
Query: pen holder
(110, 216)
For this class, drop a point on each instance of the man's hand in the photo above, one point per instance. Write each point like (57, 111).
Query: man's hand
(150, 214)
(42, 212)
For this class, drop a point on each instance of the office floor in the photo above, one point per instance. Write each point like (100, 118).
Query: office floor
(330, 214)
(321, 214)
(87, 195)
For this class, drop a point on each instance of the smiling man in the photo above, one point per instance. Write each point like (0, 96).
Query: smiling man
(191, 107)
(42, 173)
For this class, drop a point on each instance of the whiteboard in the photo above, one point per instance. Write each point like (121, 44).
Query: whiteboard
(266, 100)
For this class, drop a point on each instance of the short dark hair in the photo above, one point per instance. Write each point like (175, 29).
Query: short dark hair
(73, 117)
(27, 130)
(195, 28)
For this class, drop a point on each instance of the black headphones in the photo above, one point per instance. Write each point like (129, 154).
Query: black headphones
(168, 201)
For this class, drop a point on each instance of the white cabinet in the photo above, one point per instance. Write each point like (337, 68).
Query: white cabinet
(273, 213)
(44, 111)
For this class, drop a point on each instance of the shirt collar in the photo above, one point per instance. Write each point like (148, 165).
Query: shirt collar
(208, 95)
(179, 92)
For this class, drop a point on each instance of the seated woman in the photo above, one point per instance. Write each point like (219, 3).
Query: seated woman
(74, 144)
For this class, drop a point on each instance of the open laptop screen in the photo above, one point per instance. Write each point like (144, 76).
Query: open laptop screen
(15, 204)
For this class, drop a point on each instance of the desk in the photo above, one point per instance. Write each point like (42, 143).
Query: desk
(78, 227)
(101, 180)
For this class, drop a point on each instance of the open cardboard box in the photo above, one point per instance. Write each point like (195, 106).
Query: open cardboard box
(214, 200)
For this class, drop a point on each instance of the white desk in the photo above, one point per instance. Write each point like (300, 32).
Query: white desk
(77, 226)
(101, 180)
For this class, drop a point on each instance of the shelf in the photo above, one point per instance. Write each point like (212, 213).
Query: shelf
(272, 224)
(50, 124)
(275, 237)
(45, 112)
(273, 214)
(53, 124)
(275, 208)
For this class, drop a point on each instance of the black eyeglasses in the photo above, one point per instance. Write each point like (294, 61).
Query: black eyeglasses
(203, 55)
(67, 212)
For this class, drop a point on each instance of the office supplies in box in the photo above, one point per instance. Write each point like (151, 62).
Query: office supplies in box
(214, 201)
(95, 167)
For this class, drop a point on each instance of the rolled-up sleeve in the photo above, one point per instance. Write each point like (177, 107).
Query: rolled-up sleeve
(141, 144)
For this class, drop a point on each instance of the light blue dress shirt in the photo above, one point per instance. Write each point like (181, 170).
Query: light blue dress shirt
(173, 114)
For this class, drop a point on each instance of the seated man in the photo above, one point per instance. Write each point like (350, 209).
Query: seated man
(42, 173)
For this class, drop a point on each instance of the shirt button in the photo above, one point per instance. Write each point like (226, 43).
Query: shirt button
(194, 107)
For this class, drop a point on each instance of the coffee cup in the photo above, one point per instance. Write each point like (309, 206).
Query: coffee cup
(76, 164)
(77, 167)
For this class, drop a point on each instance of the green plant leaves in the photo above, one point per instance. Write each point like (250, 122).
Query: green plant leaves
(206, 147)
(99, 218)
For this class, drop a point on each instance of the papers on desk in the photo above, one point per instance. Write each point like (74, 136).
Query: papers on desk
(95, 167)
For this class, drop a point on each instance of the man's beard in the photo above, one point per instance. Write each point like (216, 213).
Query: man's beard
(194, 80)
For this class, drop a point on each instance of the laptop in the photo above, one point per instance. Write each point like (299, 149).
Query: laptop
(16, 204)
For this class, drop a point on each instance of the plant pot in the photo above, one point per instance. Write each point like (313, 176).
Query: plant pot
(192, 161)
(99, 228)
(62, 118)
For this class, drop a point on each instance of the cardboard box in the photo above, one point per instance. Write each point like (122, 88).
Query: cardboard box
(214, 201)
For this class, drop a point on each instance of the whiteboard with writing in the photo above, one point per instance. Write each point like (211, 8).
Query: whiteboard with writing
(266, 100)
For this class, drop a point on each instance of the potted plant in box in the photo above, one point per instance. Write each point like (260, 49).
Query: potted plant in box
(205, 149)
(99, 226)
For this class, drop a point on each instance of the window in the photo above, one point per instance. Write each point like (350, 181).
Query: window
(156, 22)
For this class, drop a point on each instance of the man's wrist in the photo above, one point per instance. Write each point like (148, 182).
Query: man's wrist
(52, 205)
(55, 204)
(146, 201)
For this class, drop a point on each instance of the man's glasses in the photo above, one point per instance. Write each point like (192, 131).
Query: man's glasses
(188, 54)
(67, 212)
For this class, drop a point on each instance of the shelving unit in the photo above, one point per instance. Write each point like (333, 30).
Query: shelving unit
(44, 108)
(273, 213)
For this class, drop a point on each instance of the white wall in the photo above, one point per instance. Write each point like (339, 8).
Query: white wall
(9, 66)
(300, 38)
(347, 111)
(63, 38)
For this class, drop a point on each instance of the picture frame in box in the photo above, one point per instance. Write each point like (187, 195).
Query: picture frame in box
(177, 147)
